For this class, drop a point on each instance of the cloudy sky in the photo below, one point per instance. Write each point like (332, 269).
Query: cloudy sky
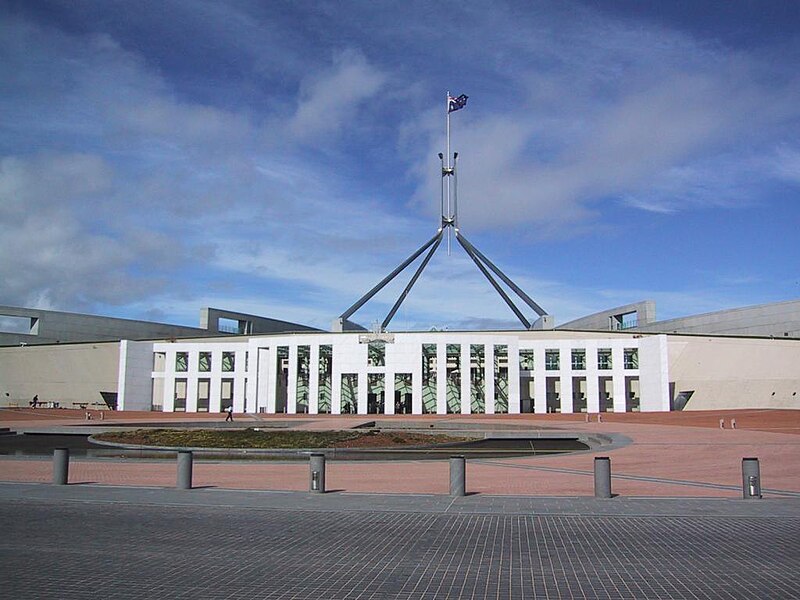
(279, 158)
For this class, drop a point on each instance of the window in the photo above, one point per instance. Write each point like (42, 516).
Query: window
(631, 358)
(604, 359)
(325, 378)
(501, 378)
(349, 393)
(477, 377)
(228, 362)
(376, 393)
(282, 379)
(203, 394)
(526, 360)
(181, 362)
(303, 378)
(552, 360)
(579, 360)
(402, 393)
(180, 395)
(429, 367)
(226, 394)
(204, 362)
(376, 354)
(454, 378)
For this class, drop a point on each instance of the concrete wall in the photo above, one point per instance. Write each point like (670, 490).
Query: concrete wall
(52, 327)
(247, 324)
(602, 321)
(781, 319)
(58, 373)
(135, 375)
(735, 372)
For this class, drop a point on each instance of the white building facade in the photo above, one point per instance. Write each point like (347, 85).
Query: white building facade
(401, 373)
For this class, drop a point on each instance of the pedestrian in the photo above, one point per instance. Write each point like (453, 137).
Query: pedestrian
(35, 401)
(229, 410)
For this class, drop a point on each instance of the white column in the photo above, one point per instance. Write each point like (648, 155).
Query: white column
(489, 377)
(388, 392)
(566, 388)
(291, 388)
(466, 375)
(618, 374)
(362, 392)
(169, 389)
(416, 384)
(215, 391)
(272, 378)
(592, 384)
(513, 379)
(336, 391)
(539, 381)
(191, 390)
(239, 393)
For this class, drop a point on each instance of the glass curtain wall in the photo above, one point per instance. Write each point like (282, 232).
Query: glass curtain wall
(428, 378)
(349, 393)
(303, 377)
(477, 377)
(501, 379)
(325, 379)
(453, 378)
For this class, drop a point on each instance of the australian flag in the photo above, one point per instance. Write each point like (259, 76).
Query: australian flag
(454, 104)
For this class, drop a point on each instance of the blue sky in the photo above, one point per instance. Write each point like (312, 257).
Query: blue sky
(279, 158)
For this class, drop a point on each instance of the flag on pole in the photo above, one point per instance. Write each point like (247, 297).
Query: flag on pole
(454, 104)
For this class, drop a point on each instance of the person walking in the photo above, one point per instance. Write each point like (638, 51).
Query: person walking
(230, 414)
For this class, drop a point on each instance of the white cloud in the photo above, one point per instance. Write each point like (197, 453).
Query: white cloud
(591, 133)
(786, 164)
(164, 184)
(330, 99)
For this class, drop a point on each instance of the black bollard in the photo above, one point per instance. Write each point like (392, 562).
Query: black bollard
(60, 466)
(316, 482)
(184, 470)
(602, 477)
(458, 476)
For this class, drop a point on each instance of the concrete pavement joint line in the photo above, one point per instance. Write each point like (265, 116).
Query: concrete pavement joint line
(478, 504)
(715, 486)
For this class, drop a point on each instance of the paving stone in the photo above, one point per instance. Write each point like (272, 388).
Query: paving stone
(85, 542)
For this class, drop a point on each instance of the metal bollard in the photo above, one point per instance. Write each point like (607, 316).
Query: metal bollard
(751, 479)
(184, 470)
(316, 464)
(60, 466)
(602, 477)
(458, 476)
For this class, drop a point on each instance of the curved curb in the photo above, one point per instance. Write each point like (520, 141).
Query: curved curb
(597, 442)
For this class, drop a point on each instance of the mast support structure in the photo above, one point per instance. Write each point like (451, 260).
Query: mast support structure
(449, 221)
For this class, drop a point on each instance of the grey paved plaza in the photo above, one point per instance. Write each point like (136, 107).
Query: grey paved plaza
(86, 541)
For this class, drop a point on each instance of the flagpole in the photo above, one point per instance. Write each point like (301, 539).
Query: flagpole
(447, 166)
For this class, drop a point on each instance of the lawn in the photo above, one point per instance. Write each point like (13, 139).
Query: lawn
(255, 438)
